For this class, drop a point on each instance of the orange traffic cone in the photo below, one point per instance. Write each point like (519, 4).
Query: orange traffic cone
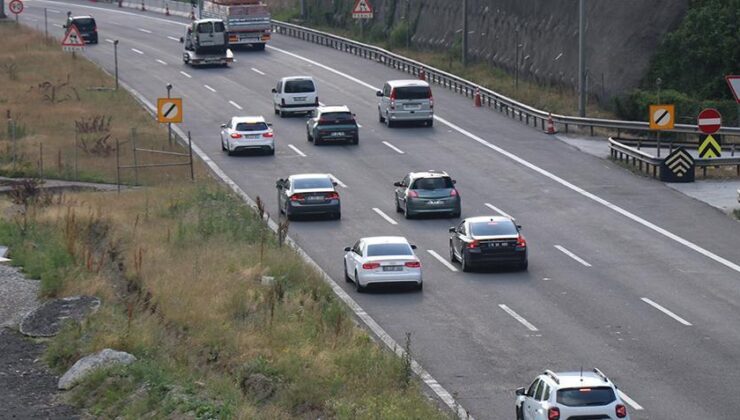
(422, 74)
(550, 125)
(476, 98)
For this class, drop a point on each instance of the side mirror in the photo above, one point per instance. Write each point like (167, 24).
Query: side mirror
(379, 93)
(354, 115)
(397, 184)
(223, 125)
(519, 227)
(413, 246)
(182, 40)
(269, 124)
(334, 183)
(452, 229)
(280, 183)
(64, 26)
(347, 249)
(520, 391)
(454, 181)
(274, 90)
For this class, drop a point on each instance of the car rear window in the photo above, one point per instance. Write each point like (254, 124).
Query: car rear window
(205, 28)
(219, 27)
(299, 86)
(380, 250)
(493, 228)
(413, 92)
(258, 126)
(581, 397)
(86, 24)
(337, 116)
(310, 183)
(432, 183)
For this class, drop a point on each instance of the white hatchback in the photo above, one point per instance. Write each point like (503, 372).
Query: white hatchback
(382, 260)
(247, 133)
(296, 94)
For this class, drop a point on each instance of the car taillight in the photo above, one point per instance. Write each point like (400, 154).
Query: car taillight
(621, 411)
(268, 134)
(521, 242)
(322, 121)
(474, 244)
(332, 196)
(296, 197)
(413, 264)
(453, 193)
(236, 136)
(413, 194)
(431, 101)
(553, 413)
(370, 266)
(393, 94)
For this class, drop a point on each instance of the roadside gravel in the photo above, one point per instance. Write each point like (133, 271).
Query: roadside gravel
(17, 296)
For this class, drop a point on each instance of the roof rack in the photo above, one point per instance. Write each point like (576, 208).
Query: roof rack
(600, 373)
(552, 374)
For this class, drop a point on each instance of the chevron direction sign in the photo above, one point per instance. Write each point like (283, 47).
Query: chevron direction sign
(677, 167)
(710, 146)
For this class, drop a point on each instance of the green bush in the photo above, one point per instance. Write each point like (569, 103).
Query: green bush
(398, 34)
(635, 105)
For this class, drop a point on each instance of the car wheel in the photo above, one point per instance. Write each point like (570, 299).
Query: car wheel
(271, 152)
(398, 207)
(464, 264)
(524, 265)
(355, 139)
(455, 214)
(281, 113)
(336, 215)
(519, 415)
(275, 110)
(308, 137)
(430, 123)
(420, 286)
(222, 146)
(453, 258)
(380, 117)
(318, 141)
(229, 152)
(389, 123)
(407, 214)
(360, 288)
(346, 274)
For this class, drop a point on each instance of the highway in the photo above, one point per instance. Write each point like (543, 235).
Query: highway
(625, 274)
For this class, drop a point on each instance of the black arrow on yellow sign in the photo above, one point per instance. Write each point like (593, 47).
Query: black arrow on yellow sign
(709, 147)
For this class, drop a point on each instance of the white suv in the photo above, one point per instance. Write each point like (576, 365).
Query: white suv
(295, 94)
(570, 395)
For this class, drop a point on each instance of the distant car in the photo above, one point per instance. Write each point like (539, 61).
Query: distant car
(308, 194)
(570, 395)
(382, 260)
(86, 26)
(247, 133)
(489, 241)
(332, 123)
(296, 94)
(427, 192)
(405, 100)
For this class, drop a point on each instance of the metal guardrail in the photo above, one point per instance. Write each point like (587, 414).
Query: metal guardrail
(525, 113)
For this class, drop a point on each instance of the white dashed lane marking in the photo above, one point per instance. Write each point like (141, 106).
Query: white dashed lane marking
(235, 105)
(137, 51)
(164, 63)
(497, 210)
(186, 75)
(173, 38)
(146, 31)
(257, 71)
(442, 260)
(384, 216)
(572, 255)
(108, 40)
(297, 150)
(392, 147)
(666, 311)
(57, 25)
(210, 88)
(518, 317)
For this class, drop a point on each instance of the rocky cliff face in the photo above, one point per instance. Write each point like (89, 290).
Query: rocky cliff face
(621, 35)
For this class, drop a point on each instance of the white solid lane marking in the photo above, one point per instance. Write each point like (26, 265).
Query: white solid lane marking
(57, 25)
(186, 75)
(164, 63)
(297, 150)
(727, 263)
(442, 260)
(108, 40)
(210, 88)
(393, 147)
(173, 38)
(572, 255)
(666, 311)
(137, 51)
(497, 210)
(335, 179)
(146, 31)
(384, 216)
(235, 105)
(518, 317)
(629, 400)
(257, 71)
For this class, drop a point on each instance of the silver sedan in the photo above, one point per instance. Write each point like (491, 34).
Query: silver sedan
(382, 260)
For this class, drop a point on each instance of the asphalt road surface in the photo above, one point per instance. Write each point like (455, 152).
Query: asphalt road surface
(625, 274)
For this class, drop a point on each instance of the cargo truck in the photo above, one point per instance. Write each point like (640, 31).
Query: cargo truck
(247, 21)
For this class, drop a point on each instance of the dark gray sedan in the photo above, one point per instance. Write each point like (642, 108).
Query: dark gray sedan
(308, 194)
(427, 192)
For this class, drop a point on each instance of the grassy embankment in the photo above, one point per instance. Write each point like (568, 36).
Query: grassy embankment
(178, 266)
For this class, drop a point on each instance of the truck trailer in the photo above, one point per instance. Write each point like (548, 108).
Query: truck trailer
(247, 21)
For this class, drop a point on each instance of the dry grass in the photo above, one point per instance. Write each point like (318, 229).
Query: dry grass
(46, 91)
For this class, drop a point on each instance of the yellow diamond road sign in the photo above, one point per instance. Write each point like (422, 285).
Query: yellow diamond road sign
(662, 117)
(169, 110)
(709, 147)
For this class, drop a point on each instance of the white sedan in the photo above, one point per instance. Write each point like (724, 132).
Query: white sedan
(247, 133)
(382, 260)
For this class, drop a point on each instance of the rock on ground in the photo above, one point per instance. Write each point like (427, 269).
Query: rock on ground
(47, 320)
(83, 367)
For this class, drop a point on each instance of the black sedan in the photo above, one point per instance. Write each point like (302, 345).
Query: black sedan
(488, 241)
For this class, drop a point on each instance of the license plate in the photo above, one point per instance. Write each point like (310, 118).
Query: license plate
(392, 268)
(301, 99)
(337, 133)
(253, 136)
(314, 198)
(413, 107)
(435, 202)
(498, 244)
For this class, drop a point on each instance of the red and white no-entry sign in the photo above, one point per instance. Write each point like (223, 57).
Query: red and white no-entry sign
(16, 6)
(710, 121)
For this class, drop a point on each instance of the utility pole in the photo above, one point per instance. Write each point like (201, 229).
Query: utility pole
(115, 60)
(303, 9)
(465, 34)
(408, 24)
(516, 60)
(581, 59)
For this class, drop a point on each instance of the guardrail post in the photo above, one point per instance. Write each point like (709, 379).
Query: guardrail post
(592, 131)
(566, 128)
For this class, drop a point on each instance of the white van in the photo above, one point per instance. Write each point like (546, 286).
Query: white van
(295, 94)
(405, 100)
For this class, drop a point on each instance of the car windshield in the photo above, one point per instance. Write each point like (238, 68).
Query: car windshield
(580, 397)
(311, 183)
(84, 24)
(493, 228)
(299, 86)
(413, 92)
(380, 250)
(257, 126)
(432, 183)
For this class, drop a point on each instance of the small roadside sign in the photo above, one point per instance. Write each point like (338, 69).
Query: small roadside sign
(73, 40)
(362, 10)
(710, 146)
(678, 167)
(709, 121)
(734, 82)
(169, 110)
(15, 6)
(662, 117)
